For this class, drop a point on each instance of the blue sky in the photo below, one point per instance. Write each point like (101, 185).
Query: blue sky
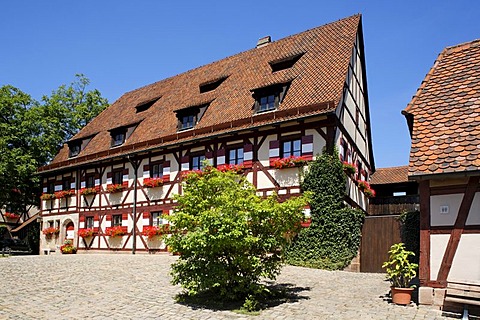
(123, 45)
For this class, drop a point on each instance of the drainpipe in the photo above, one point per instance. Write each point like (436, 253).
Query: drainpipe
(134, 164)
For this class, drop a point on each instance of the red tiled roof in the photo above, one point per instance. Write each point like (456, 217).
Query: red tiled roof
(446, 114)
(390, 175)
(317, 80)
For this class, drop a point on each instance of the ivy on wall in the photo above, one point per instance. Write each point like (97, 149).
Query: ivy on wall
(333, 238)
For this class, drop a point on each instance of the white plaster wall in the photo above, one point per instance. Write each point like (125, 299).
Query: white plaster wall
(263, 151)
(288, 177)
(263, 181)
(438, 244)
(474, 214)
(453, 202)
(318, 142)
(466, 263)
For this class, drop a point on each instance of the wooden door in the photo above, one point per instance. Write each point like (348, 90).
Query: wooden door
(378, 234)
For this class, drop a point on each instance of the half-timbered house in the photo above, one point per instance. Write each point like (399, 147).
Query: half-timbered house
(269, 109)
(444, 122)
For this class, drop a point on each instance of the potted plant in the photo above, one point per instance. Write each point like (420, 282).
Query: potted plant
(10, 215)
(68, 247)
(114, 188)
(400, 271)
(349, 168)
(50, 231)
(88, 191)
(64, 193)
(47, 196)
(289, 162)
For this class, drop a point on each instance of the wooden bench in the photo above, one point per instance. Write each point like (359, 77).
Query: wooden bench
(463, 293)
(466, 295)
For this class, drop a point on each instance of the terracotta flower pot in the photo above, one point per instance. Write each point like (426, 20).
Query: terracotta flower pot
(401, 295)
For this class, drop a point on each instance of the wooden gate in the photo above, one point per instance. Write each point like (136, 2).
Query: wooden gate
(378, 234)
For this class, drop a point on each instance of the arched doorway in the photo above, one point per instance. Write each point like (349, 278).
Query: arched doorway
(70, 231)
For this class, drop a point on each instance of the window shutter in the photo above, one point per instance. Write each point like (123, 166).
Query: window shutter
(72, 183)
(185, 163)
(146, 171)
(45, 186)
(340, 149)
(109, 177)
(146, 219)
(96, 223)
(58, 185)
(97, 180)
(108, 217)
(166, 171)
(274, 151)
(125, 177)
(248, 155)
(209, 157)
(81, 224)
(307, 147)
(220, 157)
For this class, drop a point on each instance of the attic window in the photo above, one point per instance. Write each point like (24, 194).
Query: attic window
(189, 117)
(76, 146)
(211, 85)
(74, 149)
(269, 98)
(120, 135)
(285, 63)
(146, 105)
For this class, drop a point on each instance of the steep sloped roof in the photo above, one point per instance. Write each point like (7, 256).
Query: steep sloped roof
(316, 84)
(446, 114)
(390, 175)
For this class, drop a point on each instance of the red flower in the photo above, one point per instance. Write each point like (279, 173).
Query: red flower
(116, 231)
(11, 215)
(50, 231)
(85, 233)
(113, 188)
(88, 191)
(289, 162)
(152, 182)
(153, 231)
(64, 193)
(237, 168)
(47, 196)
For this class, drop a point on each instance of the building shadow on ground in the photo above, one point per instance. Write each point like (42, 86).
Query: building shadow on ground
(276, 294)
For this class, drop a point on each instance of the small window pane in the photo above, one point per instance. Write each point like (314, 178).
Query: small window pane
(89, 222)
(90, 181)
(156, 171)
(116, 220)
(157, 219)
(117, 177)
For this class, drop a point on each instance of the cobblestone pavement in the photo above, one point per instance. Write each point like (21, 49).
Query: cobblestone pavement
(121, 286)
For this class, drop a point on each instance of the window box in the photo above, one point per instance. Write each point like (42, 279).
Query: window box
(290, 162)
(152, 182)
(237, 168)
(10, 215)
(86, 232)
(47, 196)
(50, 231)
(114, 188)
(154, 231)
(366, 189)
(116, 231)
(64, 194)
(88, 191)
(349, 168)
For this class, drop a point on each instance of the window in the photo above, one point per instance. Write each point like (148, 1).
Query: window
(235, 156)
(292, 148)
(190, 116)
(187, 122)
(118, 137)
(267, 103)
(50, 223)
(117, 177)
(90, 181)
(269, 98)
(51, 187)
(196, 162)
(74, 149)
(156, 170)
(66, 184)
(88, 222)
(116, 220)
(157, 219)
(344, 154)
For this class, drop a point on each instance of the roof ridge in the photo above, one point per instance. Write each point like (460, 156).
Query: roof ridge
(396, 167)
(242, 52)
(463, 46)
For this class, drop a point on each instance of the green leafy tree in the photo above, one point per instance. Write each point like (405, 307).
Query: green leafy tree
(333, 238)
(32, 132)
(227, 236)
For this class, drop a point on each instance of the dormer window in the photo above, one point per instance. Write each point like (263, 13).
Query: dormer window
(118, 137)
(74, 149)
(189, 117)
(211, 85)
(76, 146)
(269, 98)
(285, 63)
(142, 106)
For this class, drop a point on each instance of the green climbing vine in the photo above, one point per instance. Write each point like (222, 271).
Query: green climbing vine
(333, 238)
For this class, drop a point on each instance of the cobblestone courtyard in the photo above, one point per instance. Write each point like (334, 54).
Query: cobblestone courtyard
(120, 286)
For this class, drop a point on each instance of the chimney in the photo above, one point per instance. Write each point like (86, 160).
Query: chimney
(262, 42)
